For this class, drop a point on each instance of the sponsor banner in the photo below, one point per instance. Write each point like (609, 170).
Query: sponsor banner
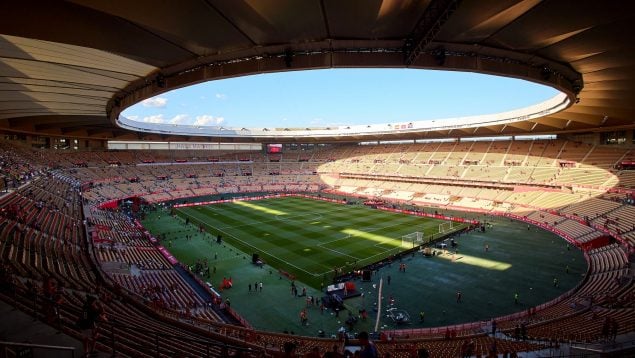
(168, 256)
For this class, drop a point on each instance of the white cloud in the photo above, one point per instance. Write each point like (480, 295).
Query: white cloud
(208, 120)
(132, 118)
(157, 118)
(221, 96)
(155, 102)
(204, 120)
(178, 119)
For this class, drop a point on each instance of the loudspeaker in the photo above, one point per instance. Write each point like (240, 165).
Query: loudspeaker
(366, 275)
(254, 258)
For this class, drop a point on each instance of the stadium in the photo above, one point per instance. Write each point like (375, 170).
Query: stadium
(505, 234)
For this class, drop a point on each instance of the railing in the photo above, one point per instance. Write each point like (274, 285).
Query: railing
(34, 304)
(225, 330)
(466, 328)
(14, 349)
(595, 349)
(161, 340)
(472, 328)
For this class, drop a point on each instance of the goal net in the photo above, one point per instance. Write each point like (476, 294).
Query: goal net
(411, 240)
(445, 227)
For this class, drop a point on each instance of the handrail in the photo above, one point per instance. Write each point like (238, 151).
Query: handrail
(119, 325)
(604, 347)
(44, 347)
(33, 345)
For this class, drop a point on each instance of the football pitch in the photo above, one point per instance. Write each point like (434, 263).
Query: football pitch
(312, 240)
(520, 260)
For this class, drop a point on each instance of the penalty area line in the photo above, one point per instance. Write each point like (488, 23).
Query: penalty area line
(339, 252)
(256, 248)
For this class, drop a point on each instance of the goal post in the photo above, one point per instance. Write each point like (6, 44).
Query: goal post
(445, 227)
(411, 240)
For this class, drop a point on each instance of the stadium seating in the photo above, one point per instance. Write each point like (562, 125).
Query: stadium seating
(47, 237)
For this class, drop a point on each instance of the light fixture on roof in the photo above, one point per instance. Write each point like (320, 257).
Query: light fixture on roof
(288, 57)
(604, 119)
(545, 73)
(577, 86)
(439, 56)
(160, 81)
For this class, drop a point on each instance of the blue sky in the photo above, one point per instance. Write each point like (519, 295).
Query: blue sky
(322, 98)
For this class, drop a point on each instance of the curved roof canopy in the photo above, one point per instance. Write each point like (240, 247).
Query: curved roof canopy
(68, 68)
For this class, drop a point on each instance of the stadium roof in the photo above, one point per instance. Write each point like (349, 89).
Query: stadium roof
(67, 68)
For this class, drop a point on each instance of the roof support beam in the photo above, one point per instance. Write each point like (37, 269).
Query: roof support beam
(586, 118)
(533, 127)
(427, 28)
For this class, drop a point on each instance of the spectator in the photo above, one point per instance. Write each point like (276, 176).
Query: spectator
(288, 350)
(92, 314)
(314, 353)
(368, 349)
(334, 353)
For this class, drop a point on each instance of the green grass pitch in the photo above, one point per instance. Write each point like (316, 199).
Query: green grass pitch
(519, 260)
(311, 238)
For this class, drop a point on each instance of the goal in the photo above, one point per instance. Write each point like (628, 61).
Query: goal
(412, 239)
(445, 227)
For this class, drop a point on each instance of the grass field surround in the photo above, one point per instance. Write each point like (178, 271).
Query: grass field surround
(289, 232)
(430, 285)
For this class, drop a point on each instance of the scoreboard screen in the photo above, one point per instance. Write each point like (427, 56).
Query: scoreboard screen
(274, 148)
